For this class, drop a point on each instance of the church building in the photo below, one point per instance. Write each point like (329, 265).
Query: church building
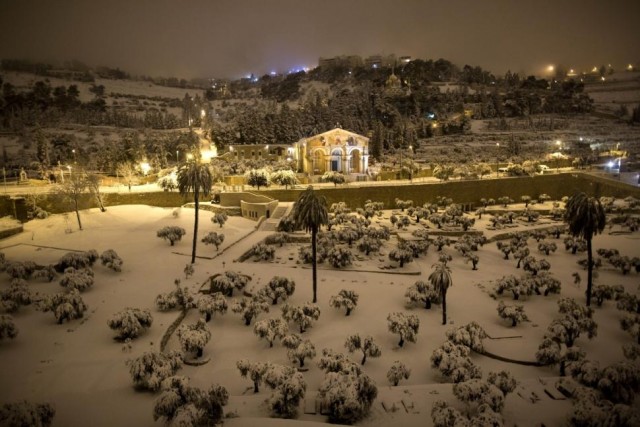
(335, 150)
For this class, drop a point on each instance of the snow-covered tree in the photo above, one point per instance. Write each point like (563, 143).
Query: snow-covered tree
(263, 252)
(422, 293)
(347, 396)
(334, 177)
(255, 371)
(628, 302)
(151, 368)
(130, 322)
(18, 294)
(25, 413)
(591, 409)
(278, 288)
(534, 266)
(547, 247)
(405, 325)
(289, 388)
(285, 177)
(479, 392)
(228, 281)
(20, 269)
(606, 292)
(298, 350)
(181, 298)
(209, 305)
(339, 257)
(194, 337)
(110, 259)
(250, 308)
(330, 361)
(469, 335)
(213, 238)
(77, 260)
(7, 327)
(397, 372)
(369, 244)
(271, 329)
(219, 218)
(171, 233)
(631, 324)
(303, 315)
(453, 362)
(401, 256)
(345, 299)
(184, 405)
(504, 380)
(64, 306)
(515, 313)
(279, 238)
(80, 279)
(366, 345)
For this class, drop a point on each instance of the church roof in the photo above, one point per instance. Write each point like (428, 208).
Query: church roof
(338, 132)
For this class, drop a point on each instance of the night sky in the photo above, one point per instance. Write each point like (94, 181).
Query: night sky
(231, 38)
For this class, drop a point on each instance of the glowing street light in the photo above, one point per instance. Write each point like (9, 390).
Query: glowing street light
(497, 160)
(145, 167)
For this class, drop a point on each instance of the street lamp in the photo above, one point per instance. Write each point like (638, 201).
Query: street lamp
(74, 156)
(411, 164)
(497, 159)
(177, 156)
(559, 144)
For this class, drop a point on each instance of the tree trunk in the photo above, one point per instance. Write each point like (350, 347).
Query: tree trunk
(255, 387)
(247, 321)
(364, 359)
(513, 322)
(348, 312)
(301, 359)
(207, 317)
(589, 272)
(401, 343)
(562, 368)
(427, 304)
(444, 308)
(314, 262)
(270, 344)
(75, 201)
(199, 353)
(195, 224)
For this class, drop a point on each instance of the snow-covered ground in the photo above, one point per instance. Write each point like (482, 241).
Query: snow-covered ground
(80, 368)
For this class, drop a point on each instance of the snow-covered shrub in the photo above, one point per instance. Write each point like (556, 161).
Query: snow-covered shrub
(289, 388)
(211, 304)
(213, 238)
(347, 396)
(590, 409)
(183, 405)
(504, 380)
(77, 260)
(631, 351)
(7, 327)
(168, 182)
(171, 233)
(279, 239)
(298, 350)
(401, 256)
(250, 308)
(405, 325)
(47, 273)
(80, 279)
(219, 218)
(453, 362)
(631, 324)
(26, 414)
(263, 252)
(547, 247)
(151, 368)
(628, 302)
(397, 372)
(334, 177)
(365, 345)
(130, 322)
(345, 299)
(469, 335)
(64, 306)
(340, 257)
(110, 259)
(303, 315)
(514, 285)
(226, 282)
(255, 371)
(194, 337)
(515, 313)
(181, 298)
(20, 269)
(422, 293)
(271, 329)
(17, 295)
(278, 288)
(330, 361)
(606, 292)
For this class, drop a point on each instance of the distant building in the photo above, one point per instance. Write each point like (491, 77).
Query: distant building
(346, 61)
(336, 150)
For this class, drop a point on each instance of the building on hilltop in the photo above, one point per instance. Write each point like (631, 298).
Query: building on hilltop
(335, 150)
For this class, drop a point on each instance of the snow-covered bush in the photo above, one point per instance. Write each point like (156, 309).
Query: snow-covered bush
(77, 260)
(219, 218)
(64, 306)
(397, 372)
(26, 414)
(606, 292)
(194, 337)
(285, 177)
(289, 388)
(250, 308)
(298, 349)
(181, 298)
(469, 335)
(303, 315)
(110, 259)
(130, 322)
(181, 404)
(172, 233)
(271, 329)
(345, 299)
(405, 325)
(211, 304)
(228, 281)
(278, 288)
(339, 257)
(213, 238)
(151, 368)
(401, 256)
(453, 362)
(17, 295)
(255, 371)
(263, 252)
(334, 177)
(631, 324)
(20, 269)
(47, 273)
(80, 279)
(365, 345)
(422, 293)
(515, 313)
(279, 239)
(330, 361)
(547, 247)
(7, 327)
(628, 302)
(347, 397)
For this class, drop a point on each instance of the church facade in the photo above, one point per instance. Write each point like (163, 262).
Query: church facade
(335, 150)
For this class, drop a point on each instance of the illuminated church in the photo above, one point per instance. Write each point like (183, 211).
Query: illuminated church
(335, 150)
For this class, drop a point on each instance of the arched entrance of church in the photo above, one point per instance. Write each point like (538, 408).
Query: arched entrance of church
(356, 161)
(336, 160)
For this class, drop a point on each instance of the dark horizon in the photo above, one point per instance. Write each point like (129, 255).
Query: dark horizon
(209, 38)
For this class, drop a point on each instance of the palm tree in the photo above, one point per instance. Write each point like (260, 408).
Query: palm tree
(440, 278)
(310, 212)
(193, 175)
(586, 217)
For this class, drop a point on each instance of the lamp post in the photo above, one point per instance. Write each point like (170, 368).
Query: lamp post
(411, 164)
(559, 144)
(74, 156)
(497, 159)
(177, 156)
